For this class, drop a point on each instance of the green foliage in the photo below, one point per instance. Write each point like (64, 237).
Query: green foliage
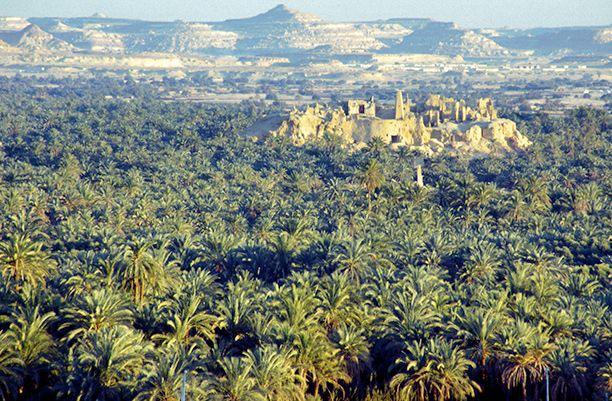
(145, 244)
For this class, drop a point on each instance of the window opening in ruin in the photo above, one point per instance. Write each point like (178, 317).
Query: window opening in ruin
(395, 139)
(361, 109)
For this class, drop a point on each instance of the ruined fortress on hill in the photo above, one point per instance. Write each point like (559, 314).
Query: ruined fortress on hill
(437, 124)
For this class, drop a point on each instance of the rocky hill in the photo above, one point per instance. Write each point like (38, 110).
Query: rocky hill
(184, 38)
(280, 14)
(557, 41)
(438, 125)
(5, 47)
(315, 124)
(86, 39)
(13, 23)
(33, 39)
(282, 31)
(450, 39)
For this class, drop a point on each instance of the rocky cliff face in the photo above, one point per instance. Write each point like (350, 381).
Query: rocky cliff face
(449, 39)
(185, 38)
(603, 36)
(495, 136)
(384, 31)
(282, 31)
(13, 23)
(33, 39)
(564, 40)
(92, 40)
(280, 14)
(5, 47)
(278, 31)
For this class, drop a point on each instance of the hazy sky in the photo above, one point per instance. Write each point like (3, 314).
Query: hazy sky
(469, 13)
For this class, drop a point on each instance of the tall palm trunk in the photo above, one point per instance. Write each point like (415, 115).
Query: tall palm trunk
(483, 365)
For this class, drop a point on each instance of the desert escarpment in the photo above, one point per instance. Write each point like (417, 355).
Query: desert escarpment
(282, 31)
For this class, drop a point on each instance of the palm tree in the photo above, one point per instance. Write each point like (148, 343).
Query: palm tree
(139, 269)
(353, 257)
(604, 376)
(24, 260)
(145, 270)
(481, 195)
(216, 248)
(284, 247)
(354, 349)
(105, 365)
(376, 147)
(296, 308)
(569, 369)
(318, 361)
(411, 316)
(586, 199)
(335, 302)
(525, 349)
(372, 178)
(237, 310)
(236, 382)
(436, 370)
(517, 207)
(579, 283)
(11, 368)
(558, 323)
(187, 322)
(94, 312)
(28, 332)
(167, 267)
(435, 248)
(478, 330)
(163, 378)
(275, 374)
(89, 272)
(482, 263)
(535, 190)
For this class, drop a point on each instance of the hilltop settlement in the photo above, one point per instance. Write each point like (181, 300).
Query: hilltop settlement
(438, 124)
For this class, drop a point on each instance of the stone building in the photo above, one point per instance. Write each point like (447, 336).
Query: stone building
(361, 108)
(436, 123)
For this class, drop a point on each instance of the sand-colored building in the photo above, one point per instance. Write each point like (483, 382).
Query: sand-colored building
(436, 123)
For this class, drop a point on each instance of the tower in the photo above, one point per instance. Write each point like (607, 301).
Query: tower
(491, 110)
(408, 105)
(418, 166)
(399, 105)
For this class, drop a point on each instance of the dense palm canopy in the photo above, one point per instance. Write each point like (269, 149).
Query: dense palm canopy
(23, 259)
(145, 246)
(434, 370)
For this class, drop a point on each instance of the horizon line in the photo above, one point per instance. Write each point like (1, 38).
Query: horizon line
(322, 20)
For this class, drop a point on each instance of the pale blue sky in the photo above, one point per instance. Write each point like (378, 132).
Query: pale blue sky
(468, 13)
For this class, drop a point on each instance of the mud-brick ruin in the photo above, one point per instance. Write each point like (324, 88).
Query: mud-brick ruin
(438, 123)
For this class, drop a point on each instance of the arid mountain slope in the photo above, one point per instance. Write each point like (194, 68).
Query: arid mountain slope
(449, 39)
(33, 39)
(282, 31)
(568, 40)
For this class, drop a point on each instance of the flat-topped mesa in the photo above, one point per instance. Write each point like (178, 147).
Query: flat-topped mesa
(436, 124)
